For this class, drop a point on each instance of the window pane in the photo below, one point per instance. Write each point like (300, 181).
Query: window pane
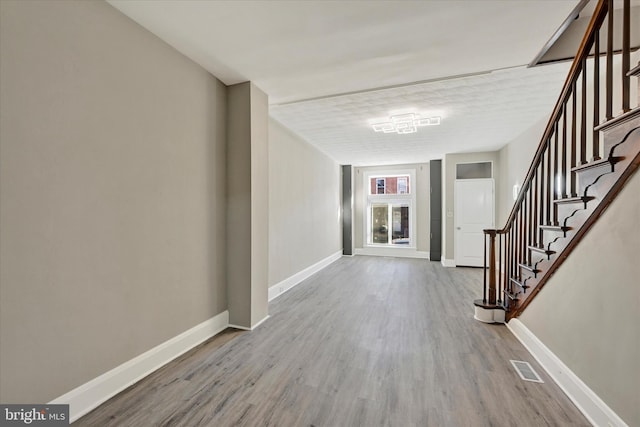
(403, 188)
(400, 225)
(390, 185)
(473, 170)
(379, 223)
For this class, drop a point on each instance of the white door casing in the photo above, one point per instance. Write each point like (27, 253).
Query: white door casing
(474, 212)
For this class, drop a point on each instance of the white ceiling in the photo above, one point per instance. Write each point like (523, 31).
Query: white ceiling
(304, 53)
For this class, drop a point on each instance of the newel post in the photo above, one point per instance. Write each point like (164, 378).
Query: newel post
(486, 309)
(492, 265)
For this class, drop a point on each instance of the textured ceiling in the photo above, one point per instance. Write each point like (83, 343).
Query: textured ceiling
(479, 113)
(322, 64)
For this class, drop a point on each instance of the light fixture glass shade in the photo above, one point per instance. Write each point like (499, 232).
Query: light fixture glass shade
(405, 123)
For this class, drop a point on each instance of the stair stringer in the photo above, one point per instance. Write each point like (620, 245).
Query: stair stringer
(622, 140)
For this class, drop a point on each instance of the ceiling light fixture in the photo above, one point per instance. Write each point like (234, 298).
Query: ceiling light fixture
(405, 123)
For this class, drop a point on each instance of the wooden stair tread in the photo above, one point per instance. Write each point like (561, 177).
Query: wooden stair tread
(579, 199)
(619, 119)
(598, 163)
(561, 228)
(485, 304)
(512, 296)
(518, 283)
(530, 268)
(541, 250)
(635, 71)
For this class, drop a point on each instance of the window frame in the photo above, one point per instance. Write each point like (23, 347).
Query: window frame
(391, 199)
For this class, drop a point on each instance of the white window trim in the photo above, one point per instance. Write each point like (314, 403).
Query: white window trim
(390, 198)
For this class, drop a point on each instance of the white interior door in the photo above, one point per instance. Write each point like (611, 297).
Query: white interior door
(474, 211)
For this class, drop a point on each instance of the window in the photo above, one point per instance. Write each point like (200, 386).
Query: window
(389, 214)
(403, 185)
(390, 223)
(473, 170)
(389, 184)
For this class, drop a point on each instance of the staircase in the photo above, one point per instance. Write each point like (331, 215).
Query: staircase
(586, 155)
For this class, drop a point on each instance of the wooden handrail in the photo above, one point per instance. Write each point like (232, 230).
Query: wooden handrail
(597, 19)
(552, 175)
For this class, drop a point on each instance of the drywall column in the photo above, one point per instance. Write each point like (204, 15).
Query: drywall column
(435, 243)
(247, 205)
(347, 210)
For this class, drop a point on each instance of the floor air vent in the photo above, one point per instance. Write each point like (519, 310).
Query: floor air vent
(526, 372)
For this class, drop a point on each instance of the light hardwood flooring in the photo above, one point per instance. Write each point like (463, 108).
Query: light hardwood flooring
(368, 341)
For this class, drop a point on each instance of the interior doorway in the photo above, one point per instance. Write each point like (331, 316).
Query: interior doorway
(474, 212)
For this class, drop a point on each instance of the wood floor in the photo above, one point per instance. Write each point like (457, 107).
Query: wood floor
(368, 341)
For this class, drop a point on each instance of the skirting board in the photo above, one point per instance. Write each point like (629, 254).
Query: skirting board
(244, 328)
(448, 262)
(593, 408)
(288, 283)
(393, 252)
(90, 395)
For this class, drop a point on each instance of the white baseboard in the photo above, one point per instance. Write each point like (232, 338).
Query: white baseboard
(448, 262)
(399, 252)
(288, 283)
(593, 408)
(90, 395)
(244, 328)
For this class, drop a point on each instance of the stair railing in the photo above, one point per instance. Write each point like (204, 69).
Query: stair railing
(569, 140)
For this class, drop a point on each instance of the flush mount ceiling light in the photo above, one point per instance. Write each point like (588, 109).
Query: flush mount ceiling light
(405, 123)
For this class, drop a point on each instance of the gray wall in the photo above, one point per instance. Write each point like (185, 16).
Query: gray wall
(112, 183)
(435, 210)
(588, 313)
(448, 201)
(304, 204)
(422, 202)
(515, 159)
(347, 210)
